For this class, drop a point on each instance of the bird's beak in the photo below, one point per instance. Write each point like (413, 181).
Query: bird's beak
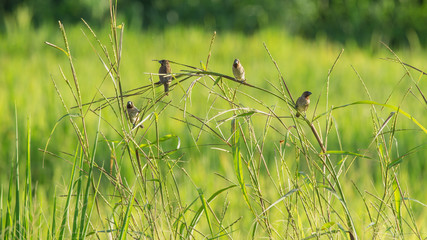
(309, 93)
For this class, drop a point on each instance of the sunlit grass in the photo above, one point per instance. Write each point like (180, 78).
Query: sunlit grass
(28, 74)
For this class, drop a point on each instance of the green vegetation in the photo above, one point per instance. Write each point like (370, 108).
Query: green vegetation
(216, 158)
(397, 23)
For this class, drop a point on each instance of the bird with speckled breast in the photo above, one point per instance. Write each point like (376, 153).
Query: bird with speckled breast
(238, 70)
(133, 113)
(302, 103)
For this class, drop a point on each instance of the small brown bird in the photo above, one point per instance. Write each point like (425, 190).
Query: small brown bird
(133, 113)
(302, 103)
(165, 68)
(238, 70)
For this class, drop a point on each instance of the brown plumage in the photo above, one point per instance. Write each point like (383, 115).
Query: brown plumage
(165, 68)
(133, 113)
(302, 103)
(238, 70)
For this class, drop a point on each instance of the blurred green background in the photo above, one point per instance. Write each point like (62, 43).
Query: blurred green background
(396, 22)
(305, 37)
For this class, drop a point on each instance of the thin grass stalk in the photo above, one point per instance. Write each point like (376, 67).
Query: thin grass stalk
(205, 209)
(327, 163)
(17, 214)
(9, 224)
(312, 204)
(89, 180)
(312, 127)
(76, 85)
(117, 50)
(254, 173)
(127, 217)
(416, 231)
(51, 234)
(405, 65)
(327, 120)
(94, 202)
(2, 233)
(40, 222)
(79, 194)
(280, 74)
(210, 49)
(28, 191)
(238, 161)
(70, 192)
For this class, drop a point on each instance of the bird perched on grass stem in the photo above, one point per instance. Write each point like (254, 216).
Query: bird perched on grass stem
(133, 113)
(165, 68)
(238, 70)
(302, 103)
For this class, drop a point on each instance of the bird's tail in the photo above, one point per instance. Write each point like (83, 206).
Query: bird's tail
(166, 88)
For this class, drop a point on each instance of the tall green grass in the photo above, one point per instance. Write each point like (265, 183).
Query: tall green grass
(216, 158)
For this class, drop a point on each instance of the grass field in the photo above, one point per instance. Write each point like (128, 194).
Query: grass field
(217, 159)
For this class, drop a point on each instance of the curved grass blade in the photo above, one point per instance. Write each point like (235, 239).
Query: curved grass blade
(201, 209)
(339, 152)
(163, 139)
(17, 218)
(397, 203)
(54, 46)
(70, 188)
(398, 110)
(124, 229)
(181, 215)
(51, 233)
(279, 200)
(88, 185)
(28, 188)
(237, 159)
(217, 80)
(399, 159)
(205, 209)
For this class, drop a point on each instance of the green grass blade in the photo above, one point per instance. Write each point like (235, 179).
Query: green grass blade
(17, 214)
(28, 190)
(181, 227)
(163, 139)
(126, 219)
(79, 181)
(400, 159)
(278, 201)
(205, 209)
(70, 190)
(51, 234)
(338, 152)
(246, 114)
(397, 203)
(8, 222)
(55, 46)
(89, 180)
(96, 190)
(217, 80)
(254, 230)
(398, 110)
(416, 201)
(237, 159)
(199, 212)
(1, 211)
